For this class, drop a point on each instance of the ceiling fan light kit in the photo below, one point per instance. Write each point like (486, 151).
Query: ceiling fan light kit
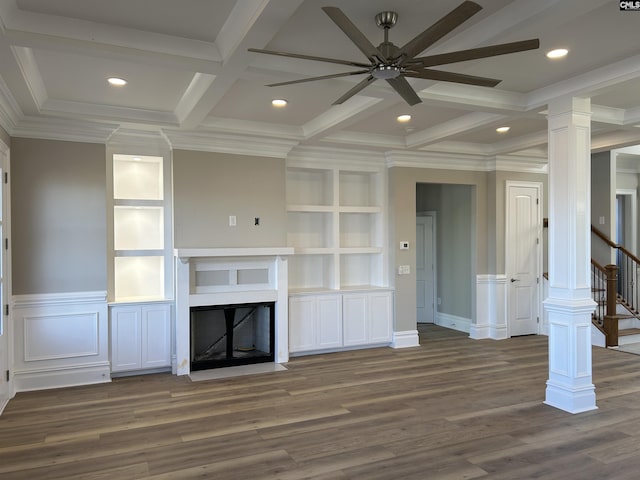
(393, 64)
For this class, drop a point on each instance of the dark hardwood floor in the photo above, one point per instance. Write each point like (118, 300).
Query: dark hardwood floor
(453, 408)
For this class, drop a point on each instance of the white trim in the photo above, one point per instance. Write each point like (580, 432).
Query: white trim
(51, 299)
(454, 322)
(46, 378)
(406, 339)
(491, 319)
(232, 252)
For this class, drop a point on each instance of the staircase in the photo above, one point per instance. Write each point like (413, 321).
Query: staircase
(616, 291)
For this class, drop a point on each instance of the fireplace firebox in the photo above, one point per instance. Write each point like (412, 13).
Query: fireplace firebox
(232, 335)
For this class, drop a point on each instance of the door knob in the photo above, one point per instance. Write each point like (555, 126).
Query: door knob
(514, 280)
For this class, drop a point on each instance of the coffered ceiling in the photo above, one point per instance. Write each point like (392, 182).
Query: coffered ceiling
(192, 81)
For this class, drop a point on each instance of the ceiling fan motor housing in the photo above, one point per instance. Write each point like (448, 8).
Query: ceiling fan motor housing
(386, 19)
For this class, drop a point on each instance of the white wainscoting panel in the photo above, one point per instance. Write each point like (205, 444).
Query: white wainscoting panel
(60, 340)
(51, 337)
(491, 308)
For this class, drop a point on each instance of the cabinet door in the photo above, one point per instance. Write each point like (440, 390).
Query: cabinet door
(354, 319)
(302, 319)
(156, 336)
(329, 322)
(125, 339)
(380, 315)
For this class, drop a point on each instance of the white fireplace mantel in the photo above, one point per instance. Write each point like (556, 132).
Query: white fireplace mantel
(186, 253)
(267, 282)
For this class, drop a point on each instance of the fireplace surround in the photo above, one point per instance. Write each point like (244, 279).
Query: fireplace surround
(212, 278)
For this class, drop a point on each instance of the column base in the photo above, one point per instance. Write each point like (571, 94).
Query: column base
(572, 400)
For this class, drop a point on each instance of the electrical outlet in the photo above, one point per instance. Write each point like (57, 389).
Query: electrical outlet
(404, 245)
(256, 221)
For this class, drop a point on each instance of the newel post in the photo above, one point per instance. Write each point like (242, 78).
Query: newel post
(611, 319)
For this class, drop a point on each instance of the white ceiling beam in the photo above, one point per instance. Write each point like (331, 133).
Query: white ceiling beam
(251, 24)
(445, 130)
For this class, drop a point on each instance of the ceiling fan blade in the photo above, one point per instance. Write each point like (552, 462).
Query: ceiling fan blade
(354, 34)
(438, 30)
(453, 77)
(313, 79)
(360, 86)
(311, 57)
(405, 90)
(475, 53)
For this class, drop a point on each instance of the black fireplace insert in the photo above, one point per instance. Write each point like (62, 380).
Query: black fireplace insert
(231, 335)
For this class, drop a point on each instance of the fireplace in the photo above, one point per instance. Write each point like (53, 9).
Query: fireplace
(232, 335)
(216, 288)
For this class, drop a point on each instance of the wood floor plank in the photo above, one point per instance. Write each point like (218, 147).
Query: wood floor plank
(452, 408)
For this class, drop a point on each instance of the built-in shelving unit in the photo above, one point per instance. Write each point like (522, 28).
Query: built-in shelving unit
(336, 226)
(336, 218)
(139, 230)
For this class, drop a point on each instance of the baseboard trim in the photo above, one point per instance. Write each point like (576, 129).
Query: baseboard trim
(29, 380)
(405, 339)
(454, 322)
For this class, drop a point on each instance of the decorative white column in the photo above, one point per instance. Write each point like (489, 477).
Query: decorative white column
(569, 304)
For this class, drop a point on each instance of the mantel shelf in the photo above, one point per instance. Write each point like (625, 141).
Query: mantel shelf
(232, 252)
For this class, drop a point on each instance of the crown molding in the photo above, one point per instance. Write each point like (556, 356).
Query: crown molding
(479, 163)
(303, 155)
(49, 128)
(260, 146)
(436, 160)
(146, 142)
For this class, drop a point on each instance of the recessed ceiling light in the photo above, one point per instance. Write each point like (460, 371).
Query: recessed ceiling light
(503, 129)
(279, 102)
(118, 82)
(557, 53)
(404, 118)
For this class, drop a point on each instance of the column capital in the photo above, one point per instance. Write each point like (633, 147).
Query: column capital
(572, 105)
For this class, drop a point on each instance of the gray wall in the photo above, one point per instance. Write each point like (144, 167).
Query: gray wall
(58, 216)
(209, 187)
(601, 196)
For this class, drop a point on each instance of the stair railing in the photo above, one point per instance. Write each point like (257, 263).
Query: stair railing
(623, 280)
(628, 265)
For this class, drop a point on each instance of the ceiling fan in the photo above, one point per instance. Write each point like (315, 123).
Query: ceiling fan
(393, 64)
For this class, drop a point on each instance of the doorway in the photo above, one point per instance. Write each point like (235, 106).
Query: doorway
(626, 219)
(523, 264)
(426, 272)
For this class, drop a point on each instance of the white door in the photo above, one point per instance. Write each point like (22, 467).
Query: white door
(5, 391)
(522, 246)
(425, 269)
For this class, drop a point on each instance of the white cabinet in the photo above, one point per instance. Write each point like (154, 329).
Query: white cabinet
(339, 321)
(367, 318)
(315, 322)
(140, 337)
